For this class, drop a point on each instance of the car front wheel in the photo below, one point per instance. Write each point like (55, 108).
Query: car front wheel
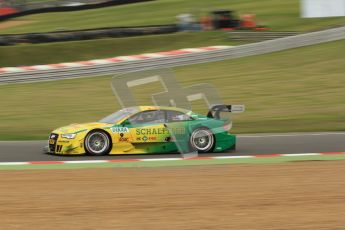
(97, 143)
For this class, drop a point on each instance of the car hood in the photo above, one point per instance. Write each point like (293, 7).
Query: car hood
(75, 128)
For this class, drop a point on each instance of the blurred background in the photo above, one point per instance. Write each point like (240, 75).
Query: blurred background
(300, 89)
(22, 5)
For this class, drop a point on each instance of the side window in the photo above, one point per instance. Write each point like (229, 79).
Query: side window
(154, 116)
(174, 116)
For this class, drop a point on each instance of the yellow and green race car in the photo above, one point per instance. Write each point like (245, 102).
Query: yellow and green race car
(147, 129)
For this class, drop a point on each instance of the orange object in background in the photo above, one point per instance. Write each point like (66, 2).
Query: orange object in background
(7, 10)
(248, 21)
(206, 23)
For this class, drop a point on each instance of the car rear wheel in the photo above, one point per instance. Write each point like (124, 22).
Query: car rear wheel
(97, 143)
(202, 140)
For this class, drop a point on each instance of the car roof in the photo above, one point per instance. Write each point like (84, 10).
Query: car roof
(153, 107)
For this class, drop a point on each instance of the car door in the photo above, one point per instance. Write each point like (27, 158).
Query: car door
(180, 125)
(147, 127)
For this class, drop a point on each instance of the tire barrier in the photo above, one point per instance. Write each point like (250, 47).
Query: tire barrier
(69, 8)
(115, 32)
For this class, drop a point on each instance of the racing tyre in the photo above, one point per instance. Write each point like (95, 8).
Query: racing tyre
(202, 140)
(97, 143)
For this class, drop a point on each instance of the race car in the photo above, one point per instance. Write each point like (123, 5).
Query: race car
(147, 129)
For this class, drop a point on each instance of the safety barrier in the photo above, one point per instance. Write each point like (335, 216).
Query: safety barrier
(30, 74)
(78, 35)
(48, 9)
(258, 36)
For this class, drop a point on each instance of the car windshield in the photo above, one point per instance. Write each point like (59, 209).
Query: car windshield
(119, 115)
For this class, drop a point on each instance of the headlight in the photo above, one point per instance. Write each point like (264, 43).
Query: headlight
(69, 135)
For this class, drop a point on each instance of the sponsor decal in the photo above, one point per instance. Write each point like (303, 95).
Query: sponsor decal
(180, 130)
(150, 131)
(145, 138)
(170, 139)
(159, 131)
(152, 138)
(123, 138)
(60, 141)
(119, 129)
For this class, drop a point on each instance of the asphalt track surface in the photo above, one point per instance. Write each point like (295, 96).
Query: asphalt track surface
(256, 144)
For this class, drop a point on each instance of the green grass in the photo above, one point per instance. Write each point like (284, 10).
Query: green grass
(94, 49)
(296, 90)
(279, 15)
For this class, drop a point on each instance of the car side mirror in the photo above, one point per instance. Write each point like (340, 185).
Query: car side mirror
(126, 123)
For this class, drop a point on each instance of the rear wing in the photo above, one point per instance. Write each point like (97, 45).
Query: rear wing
(215, 110)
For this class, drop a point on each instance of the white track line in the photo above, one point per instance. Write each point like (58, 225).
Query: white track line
(162, 159)
(13, 163)
(232, 157)
(300, 154)
(85, 162)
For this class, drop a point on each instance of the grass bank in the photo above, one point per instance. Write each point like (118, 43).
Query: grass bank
(296, 90)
